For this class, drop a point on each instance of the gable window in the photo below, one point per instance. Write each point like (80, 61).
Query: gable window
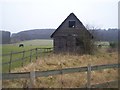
(71, 24)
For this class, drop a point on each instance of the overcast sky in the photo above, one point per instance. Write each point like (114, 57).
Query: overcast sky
(20, 15)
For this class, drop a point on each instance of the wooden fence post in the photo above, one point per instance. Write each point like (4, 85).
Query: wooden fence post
(23, 58)
(36, 53)
(40, 53)
(1, 80)
(10, 62)
(32, 79)
(61, 75)
(89, 76)
(30, 55)
(43, 52)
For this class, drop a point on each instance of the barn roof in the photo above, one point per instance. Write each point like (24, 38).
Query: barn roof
(71, 14)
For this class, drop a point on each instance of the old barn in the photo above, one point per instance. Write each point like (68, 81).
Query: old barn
(72, 36)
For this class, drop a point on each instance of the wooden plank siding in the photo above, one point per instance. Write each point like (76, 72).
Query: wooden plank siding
(65, 36)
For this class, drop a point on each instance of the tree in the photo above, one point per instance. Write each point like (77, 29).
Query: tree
(90, 44)
(5, 37)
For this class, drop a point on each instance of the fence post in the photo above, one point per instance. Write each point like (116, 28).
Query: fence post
(0, 82)
(40, 54)
(36, 53)
(23, 58)
(32, 79)
(61, 74)
(43, 52)
(89, 77)
(30, 55)
(10, 62)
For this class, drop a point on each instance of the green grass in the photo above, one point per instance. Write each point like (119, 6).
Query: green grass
(101, 43)
(61, 61)
(40, 43)
(31, 44)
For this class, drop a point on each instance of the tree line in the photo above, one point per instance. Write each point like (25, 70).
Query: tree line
(110, 35)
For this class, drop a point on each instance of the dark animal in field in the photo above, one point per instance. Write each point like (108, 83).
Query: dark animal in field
(21, 45)
(99, 46)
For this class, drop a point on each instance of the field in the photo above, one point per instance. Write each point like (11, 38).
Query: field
(7, 49)
(59, 61)
(30, 44)
(27, 45)
(103, 55)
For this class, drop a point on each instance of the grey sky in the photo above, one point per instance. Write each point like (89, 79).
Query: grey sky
(19, 15)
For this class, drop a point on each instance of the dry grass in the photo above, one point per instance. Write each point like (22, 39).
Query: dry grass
(59, 61)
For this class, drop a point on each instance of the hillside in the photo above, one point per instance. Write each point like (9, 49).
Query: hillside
(32, 34)
(5, 38)
(99, 34)
(105, 35)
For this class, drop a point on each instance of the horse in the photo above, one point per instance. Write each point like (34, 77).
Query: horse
(21, 45)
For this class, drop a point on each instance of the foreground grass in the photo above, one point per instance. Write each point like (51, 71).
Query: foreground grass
(59, 61)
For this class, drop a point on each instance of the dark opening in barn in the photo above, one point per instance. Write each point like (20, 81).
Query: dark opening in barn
(71, 24)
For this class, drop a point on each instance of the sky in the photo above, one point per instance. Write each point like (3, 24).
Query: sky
(20, 15)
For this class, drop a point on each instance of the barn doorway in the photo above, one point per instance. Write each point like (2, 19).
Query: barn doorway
(69, 43)
(79, 45)
(79, 42)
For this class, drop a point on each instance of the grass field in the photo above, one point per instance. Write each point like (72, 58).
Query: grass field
(58, 61)
(74, 80)
(31, 44)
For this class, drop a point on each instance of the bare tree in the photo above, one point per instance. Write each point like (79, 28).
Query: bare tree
(91, 44)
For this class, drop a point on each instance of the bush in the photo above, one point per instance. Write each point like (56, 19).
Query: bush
(113, 44)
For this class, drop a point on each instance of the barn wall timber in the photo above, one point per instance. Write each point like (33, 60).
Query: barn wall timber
(65, 37)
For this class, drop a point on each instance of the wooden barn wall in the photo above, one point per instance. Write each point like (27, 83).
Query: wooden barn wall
(59, 44)
(63, 39)
(64, 30)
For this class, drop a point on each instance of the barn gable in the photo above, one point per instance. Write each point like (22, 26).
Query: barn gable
(71, 35)
(65, 26)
